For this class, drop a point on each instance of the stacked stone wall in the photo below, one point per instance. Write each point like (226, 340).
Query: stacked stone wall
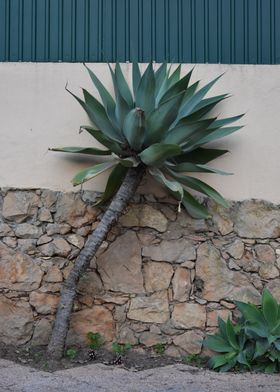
(160, 276)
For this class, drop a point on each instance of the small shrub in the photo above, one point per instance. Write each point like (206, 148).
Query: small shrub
(253, 342)
(121, 349)
(95, 340)
(159, 348)
(71, 353)
(195, 359)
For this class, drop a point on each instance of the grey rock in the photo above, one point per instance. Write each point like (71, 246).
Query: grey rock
(144, 216)
(26, 230)
(5, 230)
(42, 332)
(176, 251)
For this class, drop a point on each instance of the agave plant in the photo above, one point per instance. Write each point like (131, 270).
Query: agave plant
(159, 126)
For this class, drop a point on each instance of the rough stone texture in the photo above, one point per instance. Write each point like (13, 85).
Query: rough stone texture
(181, 284)
(153, 309)
(98, 319)
(160, 276)
(18, 206)
(157, 276)
(120, 266)
(18, 271)
(188, 315)
(144, 216)
(218, 281)
(256, 219)
(177, 251)
(42, 332)
(16, 321)
(190, 341)
(44, 303)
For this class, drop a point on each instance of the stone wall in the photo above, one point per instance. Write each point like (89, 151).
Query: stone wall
(160, 276)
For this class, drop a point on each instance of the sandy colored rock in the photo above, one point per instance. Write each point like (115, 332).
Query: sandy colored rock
(44, 303)
(42, 332)
(20, 205)
(126, 335)
(144, 216)
(274, 287)
(53, 275)
(181, 284)
(120, 266)
(90, 284)
(76, 240)
(175, 251)
(18, 272)
(265, 253)
(221, 217)
(72, 210)
(153, 309)
(218, 282)
(150, 339)
(5, 230)
(248, 263)
(16, 321)
(268, 271)
(190, 341)
(98, 319)
(257, 219)
(11, 242)
(45, 215)
(157, 276)
(58, 247)
(26, 230)
(212, 317)
(235, 249)
(55, 228)
(188, 315)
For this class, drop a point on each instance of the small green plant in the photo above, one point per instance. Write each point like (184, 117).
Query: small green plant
(159, 348)
(95, 340)
(120, 349)
(253, 342)
(71, 353)
(195, 359)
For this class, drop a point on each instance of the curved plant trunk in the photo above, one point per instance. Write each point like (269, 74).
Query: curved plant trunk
(119, 202)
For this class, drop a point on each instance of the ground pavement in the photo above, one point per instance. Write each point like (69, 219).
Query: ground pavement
(101, 378)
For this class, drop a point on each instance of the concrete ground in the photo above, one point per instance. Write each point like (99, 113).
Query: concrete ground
(101, 378)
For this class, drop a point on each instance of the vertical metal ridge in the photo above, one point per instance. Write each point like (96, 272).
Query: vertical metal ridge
(215, 31)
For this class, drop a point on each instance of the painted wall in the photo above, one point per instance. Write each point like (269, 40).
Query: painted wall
(36, 112)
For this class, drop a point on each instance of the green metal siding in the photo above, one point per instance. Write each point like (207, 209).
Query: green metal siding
(197, 31)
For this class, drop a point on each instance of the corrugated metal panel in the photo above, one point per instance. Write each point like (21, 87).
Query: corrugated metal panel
(198, 31)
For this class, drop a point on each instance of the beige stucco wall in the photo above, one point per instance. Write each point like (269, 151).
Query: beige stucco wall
(36, 112)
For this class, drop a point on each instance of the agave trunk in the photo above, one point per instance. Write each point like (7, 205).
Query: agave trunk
(119, 202)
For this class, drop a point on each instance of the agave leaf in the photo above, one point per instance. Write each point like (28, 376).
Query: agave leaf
(91, 172)
(250, 312)
(122, 107)
(222, 327)
(134, 128)
(173, 186)
(195, 168)
(220, 360)
(159, 121)
(262, 346)
(202, 187)
(194, 208)
(209, 101)
(157, 153)
(231, 335)
(241, 358)
(231, 363)
(82, 150)
(192, 102)
(200, 155)
(218, 134)
(225, 121)
(269, 308)
(271, 368)
(123, 86)
(175, 76)
(257, 329)
(180, 86)
(186, 133)
(160, 77)
(136, 77)
(100, 118)
(145, 95)
(114, 182)
(105, 96)
(217, 344)
(101, 138)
